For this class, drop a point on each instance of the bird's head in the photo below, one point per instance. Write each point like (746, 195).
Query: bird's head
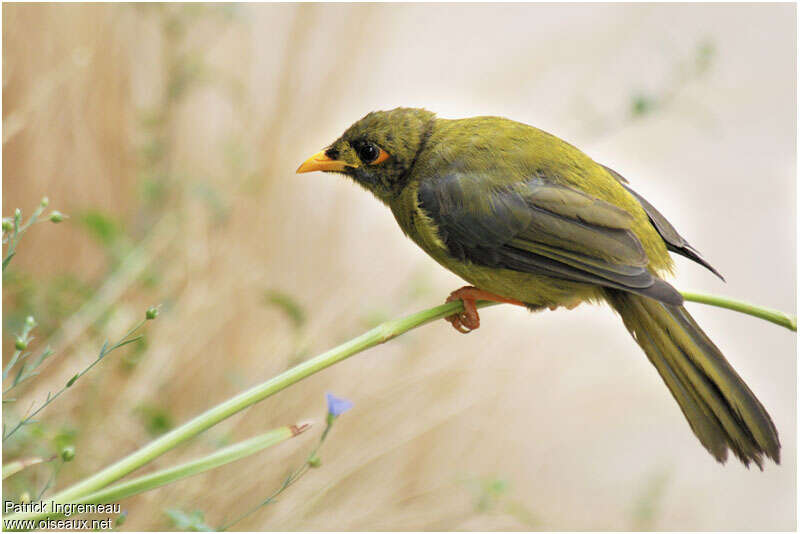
(377, 151)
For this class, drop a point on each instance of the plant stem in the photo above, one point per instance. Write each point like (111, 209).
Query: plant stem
(222, 411)
(774, 316)
(15, 466)
(19, 229)
(194, 467)
(104, 351)
(293, 477)
(380, 334)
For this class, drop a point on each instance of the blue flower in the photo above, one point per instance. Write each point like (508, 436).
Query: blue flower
(337, 406)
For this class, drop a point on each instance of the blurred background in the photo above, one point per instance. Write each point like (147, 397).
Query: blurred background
(170, 135)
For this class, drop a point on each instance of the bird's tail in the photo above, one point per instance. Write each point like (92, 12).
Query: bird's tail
(720, 408)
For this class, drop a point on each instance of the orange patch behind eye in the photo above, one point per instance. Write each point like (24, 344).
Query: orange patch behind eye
(382, 156)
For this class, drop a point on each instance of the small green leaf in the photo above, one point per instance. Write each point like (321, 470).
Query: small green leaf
(156, 419)
(102, 227)
(8, 259)
(126, 342)
(288, 305)
(121, 519)
(642, 105)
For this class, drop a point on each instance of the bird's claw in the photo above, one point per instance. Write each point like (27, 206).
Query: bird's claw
(465, 322)
(468, 320)
(455, 320)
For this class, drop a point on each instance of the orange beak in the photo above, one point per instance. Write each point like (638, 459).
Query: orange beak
(321, 162)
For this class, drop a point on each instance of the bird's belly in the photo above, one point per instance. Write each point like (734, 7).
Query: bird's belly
(533, 289)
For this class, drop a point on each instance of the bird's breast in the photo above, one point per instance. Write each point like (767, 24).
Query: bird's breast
(417, 224)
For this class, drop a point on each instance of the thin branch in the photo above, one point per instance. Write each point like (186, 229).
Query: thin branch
(169, 475)
(774, 316)
(104, 351)
(380, 334)
(293, 477)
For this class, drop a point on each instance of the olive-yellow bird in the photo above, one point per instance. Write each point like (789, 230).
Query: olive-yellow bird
(528, 219)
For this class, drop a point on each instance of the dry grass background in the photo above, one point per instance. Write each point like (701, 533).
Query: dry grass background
(184, 124)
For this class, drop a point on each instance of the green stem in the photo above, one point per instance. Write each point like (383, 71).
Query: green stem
(293, 477)
(15, 466)
(163, 477)
(104, 351)
(222, 411)
(783, 319)
(223, 456)
(380, 334)
(20, 229)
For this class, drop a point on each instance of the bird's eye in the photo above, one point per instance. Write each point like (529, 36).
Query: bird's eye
(368, 152)
(371, 154)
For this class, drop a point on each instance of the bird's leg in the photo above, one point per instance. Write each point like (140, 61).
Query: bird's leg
(469, 320)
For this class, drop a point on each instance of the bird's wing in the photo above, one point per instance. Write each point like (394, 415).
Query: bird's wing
(675, 242)
(539, 227)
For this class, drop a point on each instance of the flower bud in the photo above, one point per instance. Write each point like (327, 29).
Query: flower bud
(68, 453)
(56, 217)
(21, 344)
(45, 201)
(151, 313)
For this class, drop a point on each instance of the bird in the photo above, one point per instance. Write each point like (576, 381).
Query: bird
(528, 219)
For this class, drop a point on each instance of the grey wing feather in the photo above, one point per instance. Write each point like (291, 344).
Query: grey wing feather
(540, 227)
(674, 241)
